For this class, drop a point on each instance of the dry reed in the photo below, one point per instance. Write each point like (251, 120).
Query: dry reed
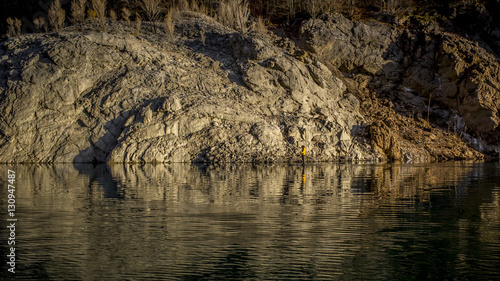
(126, 15)
(56, 15)
(13, 27)
(99, 7)
(78, 10)
(40, 24)
(234, 14)
(169, 23)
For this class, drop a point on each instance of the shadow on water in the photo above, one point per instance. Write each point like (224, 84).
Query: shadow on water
(276, 222)
(100, 174)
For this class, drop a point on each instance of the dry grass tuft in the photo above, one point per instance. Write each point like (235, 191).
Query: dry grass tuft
(78, 10)
(56, 15)
(99, 7)
(201, 8)
(169, 23)
(14, 27)
(40, 24)
(234, 14)
(203, 37)
(112, 15)
(126, 15)
(152, 9)
(138, 23)
(183, 6)
(91, 15)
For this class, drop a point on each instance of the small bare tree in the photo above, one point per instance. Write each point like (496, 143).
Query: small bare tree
(14, 27)
(56, 15)
(234, 14)
(78, 10)
(99, 7)
(315, 7)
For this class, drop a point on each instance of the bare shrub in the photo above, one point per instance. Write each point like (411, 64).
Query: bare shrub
(201, 8)
(259, 26)
(40, 24)
(152, 9)
(234, 14)
(56, 15)
(169, 23)
(13, 27)
(99, 7)
(391, 6)
(315, 7)
(78, 10)
(351, 7)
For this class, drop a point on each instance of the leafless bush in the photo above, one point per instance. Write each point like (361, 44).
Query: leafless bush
(152, 9)
(169, 23)
(40, 24)
(391, 6)
(315, 7)
(78, 10)
(56, 15)
(350, 6)
(99, 7)
(14, 27)
(259, 26)
(234, 14)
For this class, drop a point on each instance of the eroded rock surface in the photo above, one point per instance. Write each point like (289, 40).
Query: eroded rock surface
(115, 97)
(359, 91)
(418, 83)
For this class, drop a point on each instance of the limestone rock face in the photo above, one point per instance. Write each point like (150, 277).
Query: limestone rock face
(424, 73)
(114, 97)
(364, 91)
(350, 46)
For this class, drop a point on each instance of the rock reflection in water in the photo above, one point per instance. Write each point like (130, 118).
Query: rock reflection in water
(190, 222)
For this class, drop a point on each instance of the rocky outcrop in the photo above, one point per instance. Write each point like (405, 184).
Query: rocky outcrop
(115, 97)
(361, 91)
(425, 73)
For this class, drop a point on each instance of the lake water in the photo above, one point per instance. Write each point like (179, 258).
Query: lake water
(243, 222)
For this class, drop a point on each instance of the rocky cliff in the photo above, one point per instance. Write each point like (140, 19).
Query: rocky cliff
(358, 91)
(430, 94)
